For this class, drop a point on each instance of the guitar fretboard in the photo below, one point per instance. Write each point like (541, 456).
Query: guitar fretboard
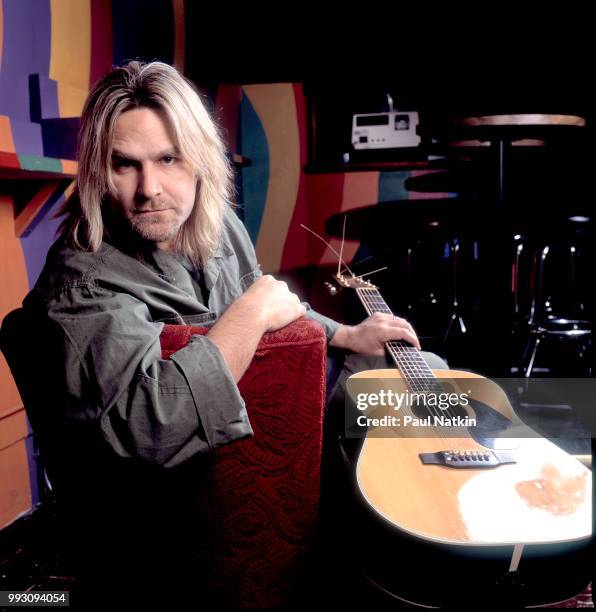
(406, 357)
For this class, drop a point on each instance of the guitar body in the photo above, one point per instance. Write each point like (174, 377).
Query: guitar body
(448, 516)
(520, 531)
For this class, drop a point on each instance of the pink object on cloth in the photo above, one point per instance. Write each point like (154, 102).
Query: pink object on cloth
(263, 492)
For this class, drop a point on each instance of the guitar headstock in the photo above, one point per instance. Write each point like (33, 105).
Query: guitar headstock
(342, 281)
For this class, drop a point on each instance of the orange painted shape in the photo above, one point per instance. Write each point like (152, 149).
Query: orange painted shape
(35, 205)
(6, 140)
(13, 428)
(14, 283)
(15, 492)
(69, 167)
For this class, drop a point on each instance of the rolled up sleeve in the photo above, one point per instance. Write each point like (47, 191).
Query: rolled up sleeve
(329, 325)
(160, 410)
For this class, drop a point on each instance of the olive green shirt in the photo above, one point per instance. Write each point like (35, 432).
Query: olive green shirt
(110, 308)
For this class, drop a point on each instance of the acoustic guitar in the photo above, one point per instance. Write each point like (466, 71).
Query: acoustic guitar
(461, 511)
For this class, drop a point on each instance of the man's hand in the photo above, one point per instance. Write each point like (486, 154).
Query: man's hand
(270, 303)
(267, 305)
(369, 337)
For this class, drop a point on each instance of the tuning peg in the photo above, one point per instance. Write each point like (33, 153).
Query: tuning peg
(331, 288)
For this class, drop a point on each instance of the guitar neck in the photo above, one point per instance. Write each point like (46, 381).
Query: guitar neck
(406, 357)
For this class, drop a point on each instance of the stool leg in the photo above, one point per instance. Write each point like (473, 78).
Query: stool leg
(528, 371)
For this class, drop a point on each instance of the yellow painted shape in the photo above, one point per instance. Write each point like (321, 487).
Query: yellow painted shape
(360, 189)
(70, 57)
(275, 106)
(15, 489)
(14, 283)
(6, 140)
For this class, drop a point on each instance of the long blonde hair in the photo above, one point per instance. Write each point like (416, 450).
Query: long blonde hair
(159, 86)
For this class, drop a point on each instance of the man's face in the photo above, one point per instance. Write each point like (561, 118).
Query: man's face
(155, 187)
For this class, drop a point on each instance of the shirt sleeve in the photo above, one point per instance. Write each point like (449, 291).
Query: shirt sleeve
(161, 410)
(246, 252)
(329, 325)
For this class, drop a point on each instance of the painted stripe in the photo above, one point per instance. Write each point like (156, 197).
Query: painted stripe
(33, 470)
(360, 189)
(425, 195)
(276, 107)
(32, 162)
(26, 51)
(6, 140)
(69, 167)
(179, 34)
(27, 137)
(297, 242)
(71, 53)
(325, 197)
(392, 186)
(1, 32)
(101, 40)
(255, 178)
(26, 218)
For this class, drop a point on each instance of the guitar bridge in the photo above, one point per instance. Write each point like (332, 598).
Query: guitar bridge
(467, 459)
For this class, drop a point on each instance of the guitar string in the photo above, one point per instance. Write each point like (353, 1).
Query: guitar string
(397, 356)
(418, 376)
(417, 373)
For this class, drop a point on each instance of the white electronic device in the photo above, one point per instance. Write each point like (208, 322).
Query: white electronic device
(393, 129)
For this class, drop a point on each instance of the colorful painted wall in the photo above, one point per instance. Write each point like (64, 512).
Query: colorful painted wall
(271, 130)
(51, 51)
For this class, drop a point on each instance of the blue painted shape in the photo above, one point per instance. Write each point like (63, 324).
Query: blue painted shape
(392, 186)
(143, 29)
(40, 164)
(37, 243)
(43, 98)
(60, 137)
(34, 469)
(27, 138)
(255, 178)
(26, 50)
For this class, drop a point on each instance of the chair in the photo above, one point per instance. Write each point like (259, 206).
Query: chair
(266, 488)
(260, 495)
(558, 310)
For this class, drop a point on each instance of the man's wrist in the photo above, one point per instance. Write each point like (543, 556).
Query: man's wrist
(250, 311)
(343, 337)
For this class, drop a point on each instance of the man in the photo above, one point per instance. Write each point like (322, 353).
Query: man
(149, 237)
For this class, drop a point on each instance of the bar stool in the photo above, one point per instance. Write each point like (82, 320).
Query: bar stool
(558, 311)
